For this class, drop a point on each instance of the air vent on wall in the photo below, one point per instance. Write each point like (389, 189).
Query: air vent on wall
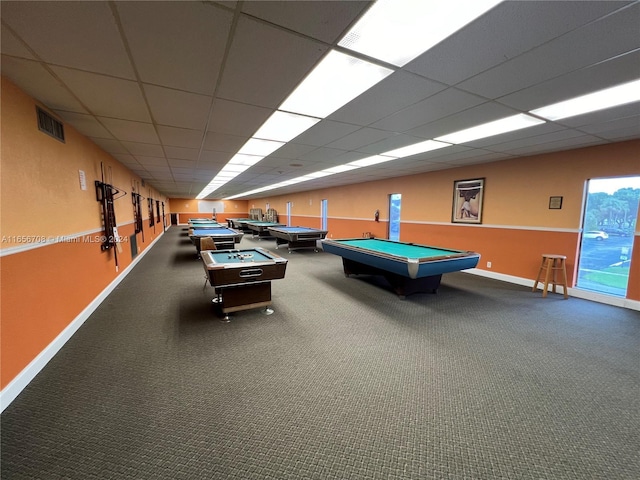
(49, 125)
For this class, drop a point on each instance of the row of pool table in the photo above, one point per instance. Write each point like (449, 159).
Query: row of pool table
(242, 277)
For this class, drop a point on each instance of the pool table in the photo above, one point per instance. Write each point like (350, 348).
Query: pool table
(242, 278)
(224, 238)
(261, 229)
(408, 267)
(239, 223)
(200, 220)
(297, 237)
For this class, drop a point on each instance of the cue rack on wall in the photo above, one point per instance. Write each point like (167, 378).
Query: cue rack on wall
(106, 194)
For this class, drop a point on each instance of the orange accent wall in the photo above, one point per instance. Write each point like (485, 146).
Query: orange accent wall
(517, 224)
(46, 287)
(187, 208)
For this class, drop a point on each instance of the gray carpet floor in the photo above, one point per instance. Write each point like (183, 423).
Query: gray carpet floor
(483, 380)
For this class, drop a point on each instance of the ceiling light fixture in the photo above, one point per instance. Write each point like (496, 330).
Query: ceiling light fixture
(285, 126)
(416, 148)
(607, 98)
(504, 125)
(334, 82)
(397, 32)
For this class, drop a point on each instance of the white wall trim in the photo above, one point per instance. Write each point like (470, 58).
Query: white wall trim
(13, 389)
(37, 241)
(573, 292)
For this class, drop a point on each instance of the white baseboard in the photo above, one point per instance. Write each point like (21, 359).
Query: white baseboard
(13, 389)
(573, 292)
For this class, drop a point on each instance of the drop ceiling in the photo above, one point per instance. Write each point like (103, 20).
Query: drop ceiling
(172, 90)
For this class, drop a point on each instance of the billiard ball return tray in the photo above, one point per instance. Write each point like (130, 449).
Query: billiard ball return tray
(242, 278)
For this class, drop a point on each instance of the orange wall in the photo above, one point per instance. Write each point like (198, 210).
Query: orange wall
(517, 224)
(44, 288)
(187, 208)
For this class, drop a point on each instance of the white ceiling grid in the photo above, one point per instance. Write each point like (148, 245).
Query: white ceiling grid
(173, 89)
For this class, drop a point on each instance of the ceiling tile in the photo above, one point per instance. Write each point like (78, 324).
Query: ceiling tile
(143, 149)
(620, 69)
(266, 63)
(214, 157)
(551, 60)
(433, 108)
(10, 45)
(85, 124)
(325, 132)
(508, 30)
(106, 96)
(236, 118)
(180, 137)
(360, 138)
(130, 131)
(396, 92)
(40, 84)
(325, 21)
(181, 153)
(191, 56)
(110, 146)
(81, 35)
(223, 142)
(178, 109)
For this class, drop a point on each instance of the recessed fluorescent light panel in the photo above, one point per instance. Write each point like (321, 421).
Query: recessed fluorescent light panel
(373, 160)
(256, 146)
(284, 126)
(504, 125)
(416, 148)
(336, 80)
(607, 98)
(398, 31)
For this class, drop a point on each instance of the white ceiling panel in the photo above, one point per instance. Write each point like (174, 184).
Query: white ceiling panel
(437, 106)
(631, 125)
(486, 112)
(559, 145)
(180, 137)
(178, 109)
(360, 138)
(513, 146)
(551, 59)
(12, 46)
(152, 160)
(106, 96)
(237, 118)
(222, 142)
(399, 90)
(620, 69)
(214, 157)
(110, 146)
(181, 153)
(82, 35)
(265, 63)
(191, 57)
(87, 125)
(509, 30)
(143, 149)
(600, 116)
(187, 84)
(315, 20)
(40, 84)
(130, 131)
(325, 132)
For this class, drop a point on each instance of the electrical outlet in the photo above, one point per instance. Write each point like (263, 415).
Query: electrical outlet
(488, 264)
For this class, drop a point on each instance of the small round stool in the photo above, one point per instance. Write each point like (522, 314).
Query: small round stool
(550, 265)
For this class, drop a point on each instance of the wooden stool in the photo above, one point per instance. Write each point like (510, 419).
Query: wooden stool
(552, 263)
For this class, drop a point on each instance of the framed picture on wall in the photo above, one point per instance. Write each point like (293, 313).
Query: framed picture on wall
(467, 201)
